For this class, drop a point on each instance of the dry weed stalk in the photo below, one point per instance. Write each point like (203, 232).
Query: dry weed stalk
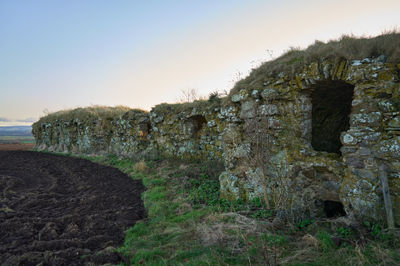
(190, 95)
(258, 158)
(259, 132)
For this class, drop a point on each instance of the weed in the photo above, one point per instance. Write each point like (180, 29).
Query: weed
(377, 233)
(374, 229)
(304, 223)
(326, 241)
(206, 191)
(274, 239)
(344, 232)
(262, 214)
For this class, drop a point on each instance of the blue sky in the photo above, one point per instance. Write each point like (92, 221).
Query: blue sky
(65, 54)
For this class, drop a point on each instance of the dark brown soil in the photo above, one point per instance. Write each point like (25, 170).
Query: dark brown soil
(16, 146)
(57, 210)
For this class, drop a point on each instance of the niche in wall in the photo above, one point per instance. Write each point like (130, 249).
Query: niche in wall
(331, 107)
(333, 209)
(144, 129)
(196, 124)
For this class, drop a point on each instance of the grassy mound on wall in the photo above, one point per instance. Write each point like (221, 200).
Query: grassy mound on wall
(212, 102)
(345, 48)
(82, 114)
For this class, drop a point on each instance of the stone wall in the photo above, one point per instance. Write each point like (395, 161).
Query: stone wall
(188, 131)
(311, 143)
(306, 179)
(93, 134)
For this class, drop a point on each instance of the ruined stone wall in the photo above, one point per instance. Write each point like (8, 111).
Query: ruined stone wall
(325, 134)
(189, 131)
(300, 178)
(120, 134)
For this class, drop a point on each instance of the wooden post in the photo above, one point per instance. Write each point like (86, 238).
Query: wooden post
(386, 195)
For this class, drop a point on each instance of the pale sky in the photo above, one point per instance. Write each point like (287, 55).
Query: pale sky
(65, 54)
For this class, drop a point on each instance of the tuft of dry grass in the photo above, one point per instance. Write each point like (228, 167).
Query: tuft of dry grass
(141, 167)
(309, 241)
(348, 47)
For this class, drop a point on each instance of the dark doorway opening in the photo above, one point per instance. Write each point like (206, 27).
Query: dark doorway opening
(331, 107)
(333, 209)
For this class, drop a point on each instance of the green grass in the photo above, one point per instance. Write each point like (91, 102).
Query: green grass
(188, 224)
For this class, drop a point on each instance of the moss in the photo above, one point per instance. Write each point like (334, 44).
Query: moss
(340, 69)
(386, 76)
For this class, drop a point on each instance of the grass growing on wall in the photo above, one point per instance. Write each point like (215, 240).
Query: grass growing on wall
(348, 47)
(187, 106)
(188, 224)
(83, 114)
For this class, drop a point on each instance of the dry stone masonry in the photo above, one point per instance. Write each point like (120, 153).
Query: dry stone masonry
(316, 144)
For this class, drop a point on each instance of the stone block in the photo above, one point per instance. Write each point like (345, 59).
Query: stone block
(268, 109)
(269, 94)
(372, 119)
(248, 110)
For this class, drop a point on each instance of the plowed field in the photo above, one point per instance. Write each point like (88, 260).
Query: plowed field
(16, 147)
(57, 210)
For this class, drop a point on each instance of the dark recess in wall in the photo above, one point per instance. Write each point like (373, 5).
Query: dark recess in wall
(331, 107)
(144, 130)
(333, 209)
(197, 122)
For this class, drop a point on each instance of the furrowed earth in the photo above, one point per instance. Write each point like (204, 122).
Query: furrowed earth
(57, 210)
(16, 146)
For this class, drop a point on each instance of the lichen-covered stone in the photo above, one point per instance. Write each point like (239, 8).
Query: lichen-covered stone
(248, 110)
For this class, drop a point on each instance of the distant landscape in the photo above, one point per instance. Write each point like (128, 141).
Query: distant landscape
(16, 135)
